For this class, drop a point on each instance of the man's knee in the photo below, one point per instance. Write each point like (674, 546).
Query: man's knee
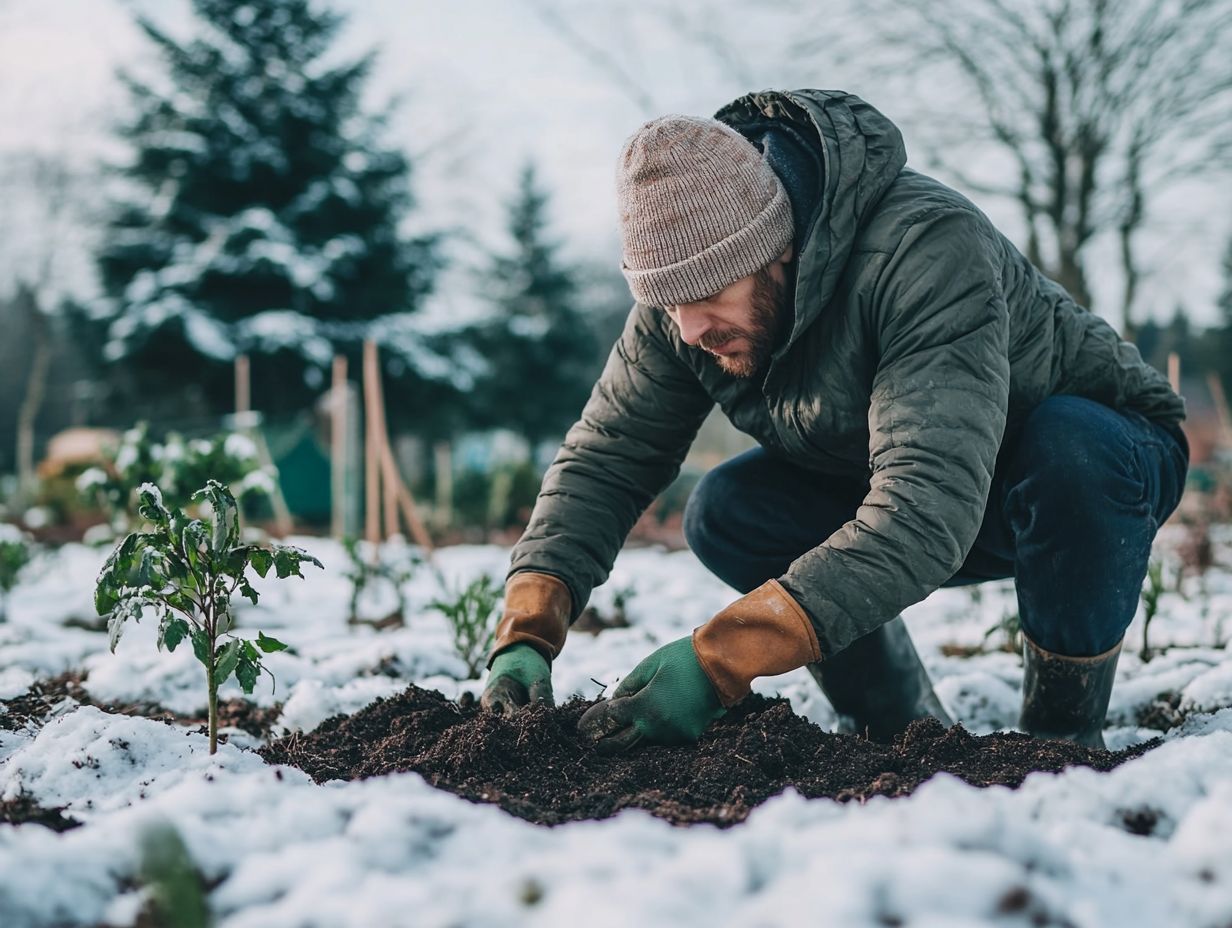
(1077, 454)
(709, 510)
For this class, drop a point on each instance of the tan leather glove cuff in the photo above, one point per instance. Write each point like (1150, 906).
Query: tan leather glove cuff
(537, 610)
(759, 635)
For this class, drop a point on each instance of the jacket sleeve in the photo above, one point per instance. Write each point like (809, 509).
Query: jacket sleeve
(634, 432)
(937, 412)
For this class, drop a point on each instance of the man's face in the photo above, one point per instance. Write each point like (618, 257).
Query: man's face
(741, 324)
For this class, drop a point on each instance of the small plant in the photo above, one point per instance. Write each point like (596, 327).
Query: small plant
(185, 571)
(1011, 627)
(620, 599)
(175, 892)
(1150, 602)
(471, 613)
(177, 466)
(15, 553)
(393, 567)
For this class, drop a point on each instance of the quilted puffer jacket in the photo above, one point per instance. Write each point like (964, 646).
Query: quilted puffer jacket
(921, 339)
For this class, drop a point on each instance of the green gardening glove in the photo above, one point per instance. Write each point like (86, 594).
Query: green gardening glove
(520, 675)
(666, 699)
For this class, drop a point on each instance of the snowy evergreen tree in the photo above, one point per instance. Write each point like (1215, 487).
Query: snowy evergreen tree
(540, 350)
(263, 215)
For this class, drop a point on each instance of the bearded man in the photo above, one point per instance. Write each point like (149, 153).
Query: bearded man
(931, 411)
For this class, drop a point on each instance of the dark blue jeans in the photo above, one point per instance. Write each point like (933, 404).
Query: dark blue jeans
(1075, 503)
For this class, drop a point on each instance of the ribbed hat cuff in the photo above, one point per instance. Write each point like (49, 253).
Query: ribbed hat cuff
(723, 263)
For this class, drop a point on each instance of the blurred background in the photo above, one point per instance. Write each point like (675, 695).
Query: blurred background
(313, 246)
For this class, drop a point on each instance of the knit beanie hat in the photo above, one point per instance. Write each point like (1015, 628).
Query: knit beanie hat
(699, 209)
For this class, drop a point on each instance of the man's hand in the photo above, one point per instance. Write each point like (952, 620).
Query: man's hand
(520, 676)
(666, 699)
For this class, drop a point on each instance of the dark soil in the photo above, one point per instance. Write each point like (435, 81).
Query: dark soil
(24, 810)
(538, 767)
(35, 706)
(1163, 713)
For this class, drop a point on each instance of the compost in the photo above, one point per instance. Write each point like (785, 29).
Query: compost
(538, 767)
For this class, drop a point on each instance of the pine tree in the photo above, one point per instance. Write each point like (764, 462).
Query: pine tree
(540, 350)
(263, 214)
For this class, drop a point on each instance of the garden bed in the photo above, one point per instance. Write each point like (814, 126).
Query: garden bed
(34, 707)
(537, 766)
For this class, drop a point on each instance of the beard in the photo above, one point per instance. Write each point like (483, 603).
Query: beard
(769, 309)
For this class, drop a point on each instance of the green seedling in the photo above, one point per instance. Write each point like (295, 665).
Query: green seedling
(1151, 590)
(177, 466)
(15, 554)
(1011, 627)
(185, 571)
(174, 886)
(366, 574)
(471, 612)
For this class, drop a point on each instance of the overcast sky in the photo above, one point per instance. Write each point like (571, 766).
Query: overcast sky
(486, 84)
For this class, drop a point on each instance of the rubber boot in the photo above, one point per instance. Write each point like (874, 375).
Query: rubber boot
(1066, 697)
(877, 684)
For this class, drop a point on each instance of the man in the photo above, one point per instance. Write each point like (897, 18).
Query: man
(930, 409)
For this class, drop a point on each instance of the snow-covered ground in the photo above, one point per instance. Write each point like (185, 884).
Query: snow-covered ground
(393, 851)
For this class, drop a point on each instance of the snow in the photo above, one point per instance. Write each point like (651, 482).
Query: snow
(393, 850)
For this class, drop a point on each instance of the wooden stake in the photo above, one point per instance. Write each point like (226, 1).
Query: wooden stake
(372, 449)
(249, 424)
(243, 385)
(443, 462)
(406, 503)
(338, 448)
(389, 473)
(1174, 371)
(1221, 406)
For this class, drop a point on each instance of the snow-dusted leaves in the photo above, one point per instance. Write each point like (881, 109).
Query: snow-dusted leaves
(187, 571)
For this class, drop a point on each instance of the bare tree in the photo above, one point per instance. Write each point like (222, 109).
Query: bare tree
(32, 256)
(596, 52)
(1101, 108)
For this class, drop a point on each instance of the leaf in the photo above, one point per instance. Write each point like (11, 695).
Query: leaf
(225, 518)
(250, 652)
(201, 645)
(262, 560)
(173, 631)
(246, 590)
(246, 672)
(114, 575)
(269, 645)
(288, 558)
(146, 574)
(150, 505)
(286, 563)
(178, 599)
(228, 657)
(193, 544)
(115, 628)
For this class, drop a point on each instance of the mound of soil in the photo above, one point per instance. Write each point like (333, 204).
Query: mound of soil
(538, 767)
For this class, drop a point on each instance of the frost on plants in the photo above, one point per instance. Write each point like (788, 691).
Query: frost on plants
(15, 554)
(178, 466)
(185, 571)
(471, 613)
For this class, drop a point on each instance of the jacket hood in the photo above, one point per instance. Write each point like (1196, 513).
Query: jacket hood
(838, 152)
